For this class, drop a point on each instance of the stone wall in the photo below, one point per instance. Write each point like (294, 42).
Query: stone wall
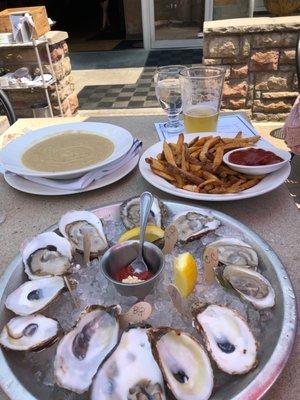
(259, 57)
(22, 99)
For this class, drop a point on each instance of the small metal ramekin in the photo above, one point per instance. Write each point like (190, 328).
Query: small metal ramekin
(121, 255)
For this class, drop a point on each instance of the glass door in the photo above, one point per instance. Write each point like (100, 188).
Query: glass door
(176, 23)
(179, 23)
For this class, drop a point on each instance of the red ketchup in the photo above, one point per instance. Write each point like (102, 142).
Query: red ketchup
(254, 157)
(127, 271)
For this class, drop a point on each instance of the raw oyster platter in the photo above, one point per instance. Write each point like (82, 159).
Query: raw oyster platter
(228, 338)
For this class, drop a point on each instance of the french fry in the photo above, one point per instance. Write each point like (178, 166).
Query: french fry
(202, 141)
(169, 154)
(194, 148)
(163, 175)
(218, 190)
(196, 153)
(207, 145)
(252, 139)
(208, 187)
(209, 182)
(192, 160)
(175, 171)
(237, 143)
(195, 168)
(184, 162)
(227, 171)
(180, 143)
(155, 164)
(235, 187)
(208, 175)
(192, 142)
(191, 188)
(218, 158)
(248, 184)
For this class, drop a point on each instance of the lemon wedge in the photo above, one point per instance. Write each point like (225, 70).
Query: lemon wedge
(185, 273)
(152, 234)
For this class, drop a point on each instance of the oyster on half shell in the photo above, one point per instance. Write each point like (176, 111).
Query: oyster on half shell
(82, 350)
(130, 373)
(191, 225)
(250, 285)
(75, 225)
(130, 213)
(184, 364)
(227, 337)
(46, 255)
(33, 296)
(235, 252)
(32, 332)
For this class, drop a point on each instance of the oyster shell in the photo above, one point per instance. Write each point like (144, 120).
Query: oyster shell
(130, 372)
(236, 252)
(130, 213)
(74, 225)
(227, 337)
(250, 285)
(192, 225)
(32, 332)
(184, 363)
(46, 255)
(33, 296)
(82, 350)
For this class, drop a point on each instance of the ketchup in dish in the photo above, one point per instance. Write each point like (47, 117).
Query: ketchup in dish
(254, 157)
(127, 275)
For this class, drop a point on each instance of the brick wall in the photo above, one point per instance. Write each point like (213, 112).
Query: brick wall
(259, 57)
(15, 57)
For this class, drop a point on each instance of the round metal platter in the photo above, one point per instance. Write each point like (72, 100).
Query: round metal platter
(18, 383)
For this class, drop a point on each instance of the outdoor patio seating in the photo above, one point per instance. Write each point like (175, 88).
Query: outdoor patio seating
(149, 200)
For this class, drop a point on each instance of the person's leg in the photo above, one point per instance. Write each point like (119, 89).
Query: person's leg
(105, 20)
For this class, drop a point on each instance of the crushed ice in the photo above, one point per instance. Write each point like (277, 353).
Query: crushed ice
(93, 288)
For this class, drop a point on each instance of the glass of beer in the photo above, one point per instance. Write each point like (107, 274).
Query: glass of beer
(201, 91)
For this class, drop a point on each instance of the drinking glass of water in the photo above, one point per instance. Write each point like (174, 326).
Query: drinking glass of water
(201, 89)
(168, 93)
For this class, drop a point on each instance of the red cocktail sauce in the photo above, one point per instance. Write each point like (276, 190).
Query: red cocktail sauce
(127, 271)
(254, 157)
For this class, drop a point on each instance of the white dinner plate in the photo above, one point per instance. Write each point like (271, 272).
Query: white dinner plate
(267, 184)
(11, 155)
(24, 185)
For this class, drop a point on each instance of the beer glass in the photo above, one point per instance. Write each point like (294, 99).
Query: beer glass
(168, 93)
(201, 91)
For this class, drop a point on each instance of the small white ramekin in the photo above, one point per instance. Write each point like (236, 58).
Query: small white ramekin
(259, 169)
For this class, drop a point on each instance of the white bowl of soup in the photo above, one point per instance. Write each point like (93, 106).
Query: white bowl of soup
(66, 151)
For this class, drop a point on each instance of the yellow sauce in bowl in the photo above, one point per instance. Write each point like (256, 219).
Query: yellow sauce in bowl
(67, 151)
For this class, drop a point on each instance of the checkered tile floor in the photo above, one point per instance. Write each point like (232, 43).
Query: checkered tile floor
(141, 94)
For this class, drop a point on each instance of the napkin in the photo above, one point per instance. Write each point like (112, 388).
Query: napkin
(91, 176)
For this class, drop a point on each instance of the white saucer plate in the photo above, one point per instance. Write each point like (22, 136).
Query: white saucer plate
(24, 185)
(267, 184)
(11, 155)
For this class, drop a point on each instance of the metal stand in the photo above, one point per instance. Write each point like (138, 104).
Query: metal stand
(45, 85)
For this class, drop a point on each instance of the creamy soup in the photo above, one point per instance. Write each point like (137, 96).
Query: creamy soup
(67, 151)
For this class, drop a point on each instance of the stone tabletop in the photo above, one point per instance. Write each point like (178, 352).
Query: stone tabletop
(273, 216)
